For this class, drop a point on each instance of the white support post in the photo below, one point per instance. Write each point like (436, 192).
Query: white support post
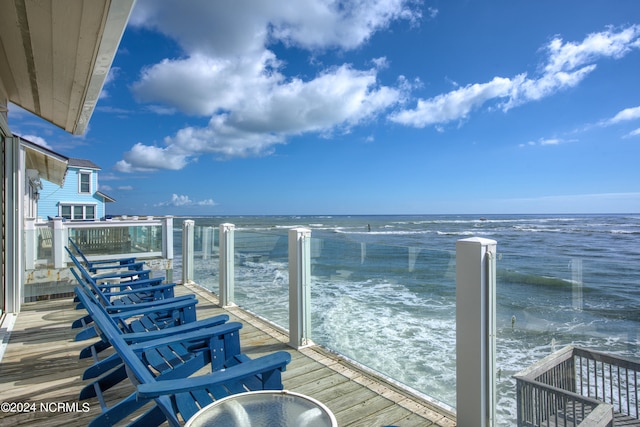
(299, 287)
(58, 243)
(30, 244)
(12, 231)
(227, 264)
(475, 332)
(187, 251)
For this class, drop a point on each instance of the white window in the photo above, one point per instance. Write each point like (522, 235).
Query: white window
(84, 182)
(78, 212)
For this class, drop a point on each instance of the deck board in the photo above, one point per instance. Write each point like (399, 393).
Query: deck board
(41, 365)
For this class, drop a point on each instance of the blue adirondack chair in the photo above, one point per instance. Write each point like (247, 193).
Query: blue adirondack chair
(132, 299)
(95, 265)
(123, 274)
(174, 393)
(145, 316)
(133, 291)
(160, 359)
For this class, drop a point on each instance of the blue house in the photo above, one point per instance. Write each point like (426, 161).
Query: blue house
(79, 198)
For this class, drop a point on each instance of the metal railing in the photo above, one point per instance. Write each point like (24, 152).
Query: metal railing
(576, 386)
(608, 378)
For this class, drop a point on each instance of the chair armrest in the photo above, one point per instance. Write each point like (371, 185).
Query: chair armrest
(263, 364)
(138, 290)
(128, 310)
(120, 261)
(196, 335)
(142, 282)
(136, 337)
(136, 266)
(123, 275)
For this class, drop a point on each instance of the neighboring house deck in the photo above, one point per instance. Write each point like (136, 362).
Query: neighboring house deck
(576, 386)
(41, 365)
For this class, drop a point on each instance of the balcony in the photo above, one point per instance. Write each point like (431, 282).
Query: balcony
(579, 387)
(409, 295)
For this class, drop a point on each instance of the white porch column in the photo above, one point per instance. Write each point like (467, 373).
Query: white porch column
(58, 243)
(475, 332)
(227, 264)
(299, 287)
(30, 244)
(13, 226)
(187, 251)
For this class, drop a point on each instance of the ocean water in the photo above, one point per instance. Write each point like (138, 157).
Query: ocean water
(383, 288)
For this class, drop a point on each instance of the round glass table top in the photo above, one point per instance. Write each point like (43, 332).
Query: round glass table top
(265, 409)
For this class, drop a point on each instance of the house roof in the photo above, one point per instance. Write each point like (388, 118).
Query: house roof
(55, 55)
(83, 163)
(50, 165)
(107, 199)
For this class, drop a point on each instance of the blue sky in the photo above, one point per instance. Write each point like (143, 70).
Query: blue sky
(367, 107)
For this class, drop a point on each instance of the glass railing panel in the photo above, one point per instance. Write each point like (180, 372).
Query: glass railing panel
(546, 303)
(262, 274)
(147, 238)
(114, 240)
(206, 260)
(390, 308)
(44, 243)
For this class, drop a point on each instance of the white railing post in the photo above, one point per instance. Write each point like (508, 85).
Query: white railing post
(475, 332)
(58, 242)
(227, 264)
(299, 287)
(30, 244)
(187, 251)
(167, 237)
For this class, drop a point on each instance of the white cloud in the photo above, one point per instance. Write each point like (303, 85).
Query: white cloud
(543, 142)
(111, 76)
(182, 200)
(144, 158)
(566, 66)
(38, 140)
(454, 105)
(228, 73)
(125, 187)
(244, 27)
(633, 133)
(550, 141)
(625, 115)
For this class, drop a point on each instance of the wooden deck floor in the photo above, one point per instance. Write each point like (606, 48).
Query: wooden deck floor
(41, 367)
